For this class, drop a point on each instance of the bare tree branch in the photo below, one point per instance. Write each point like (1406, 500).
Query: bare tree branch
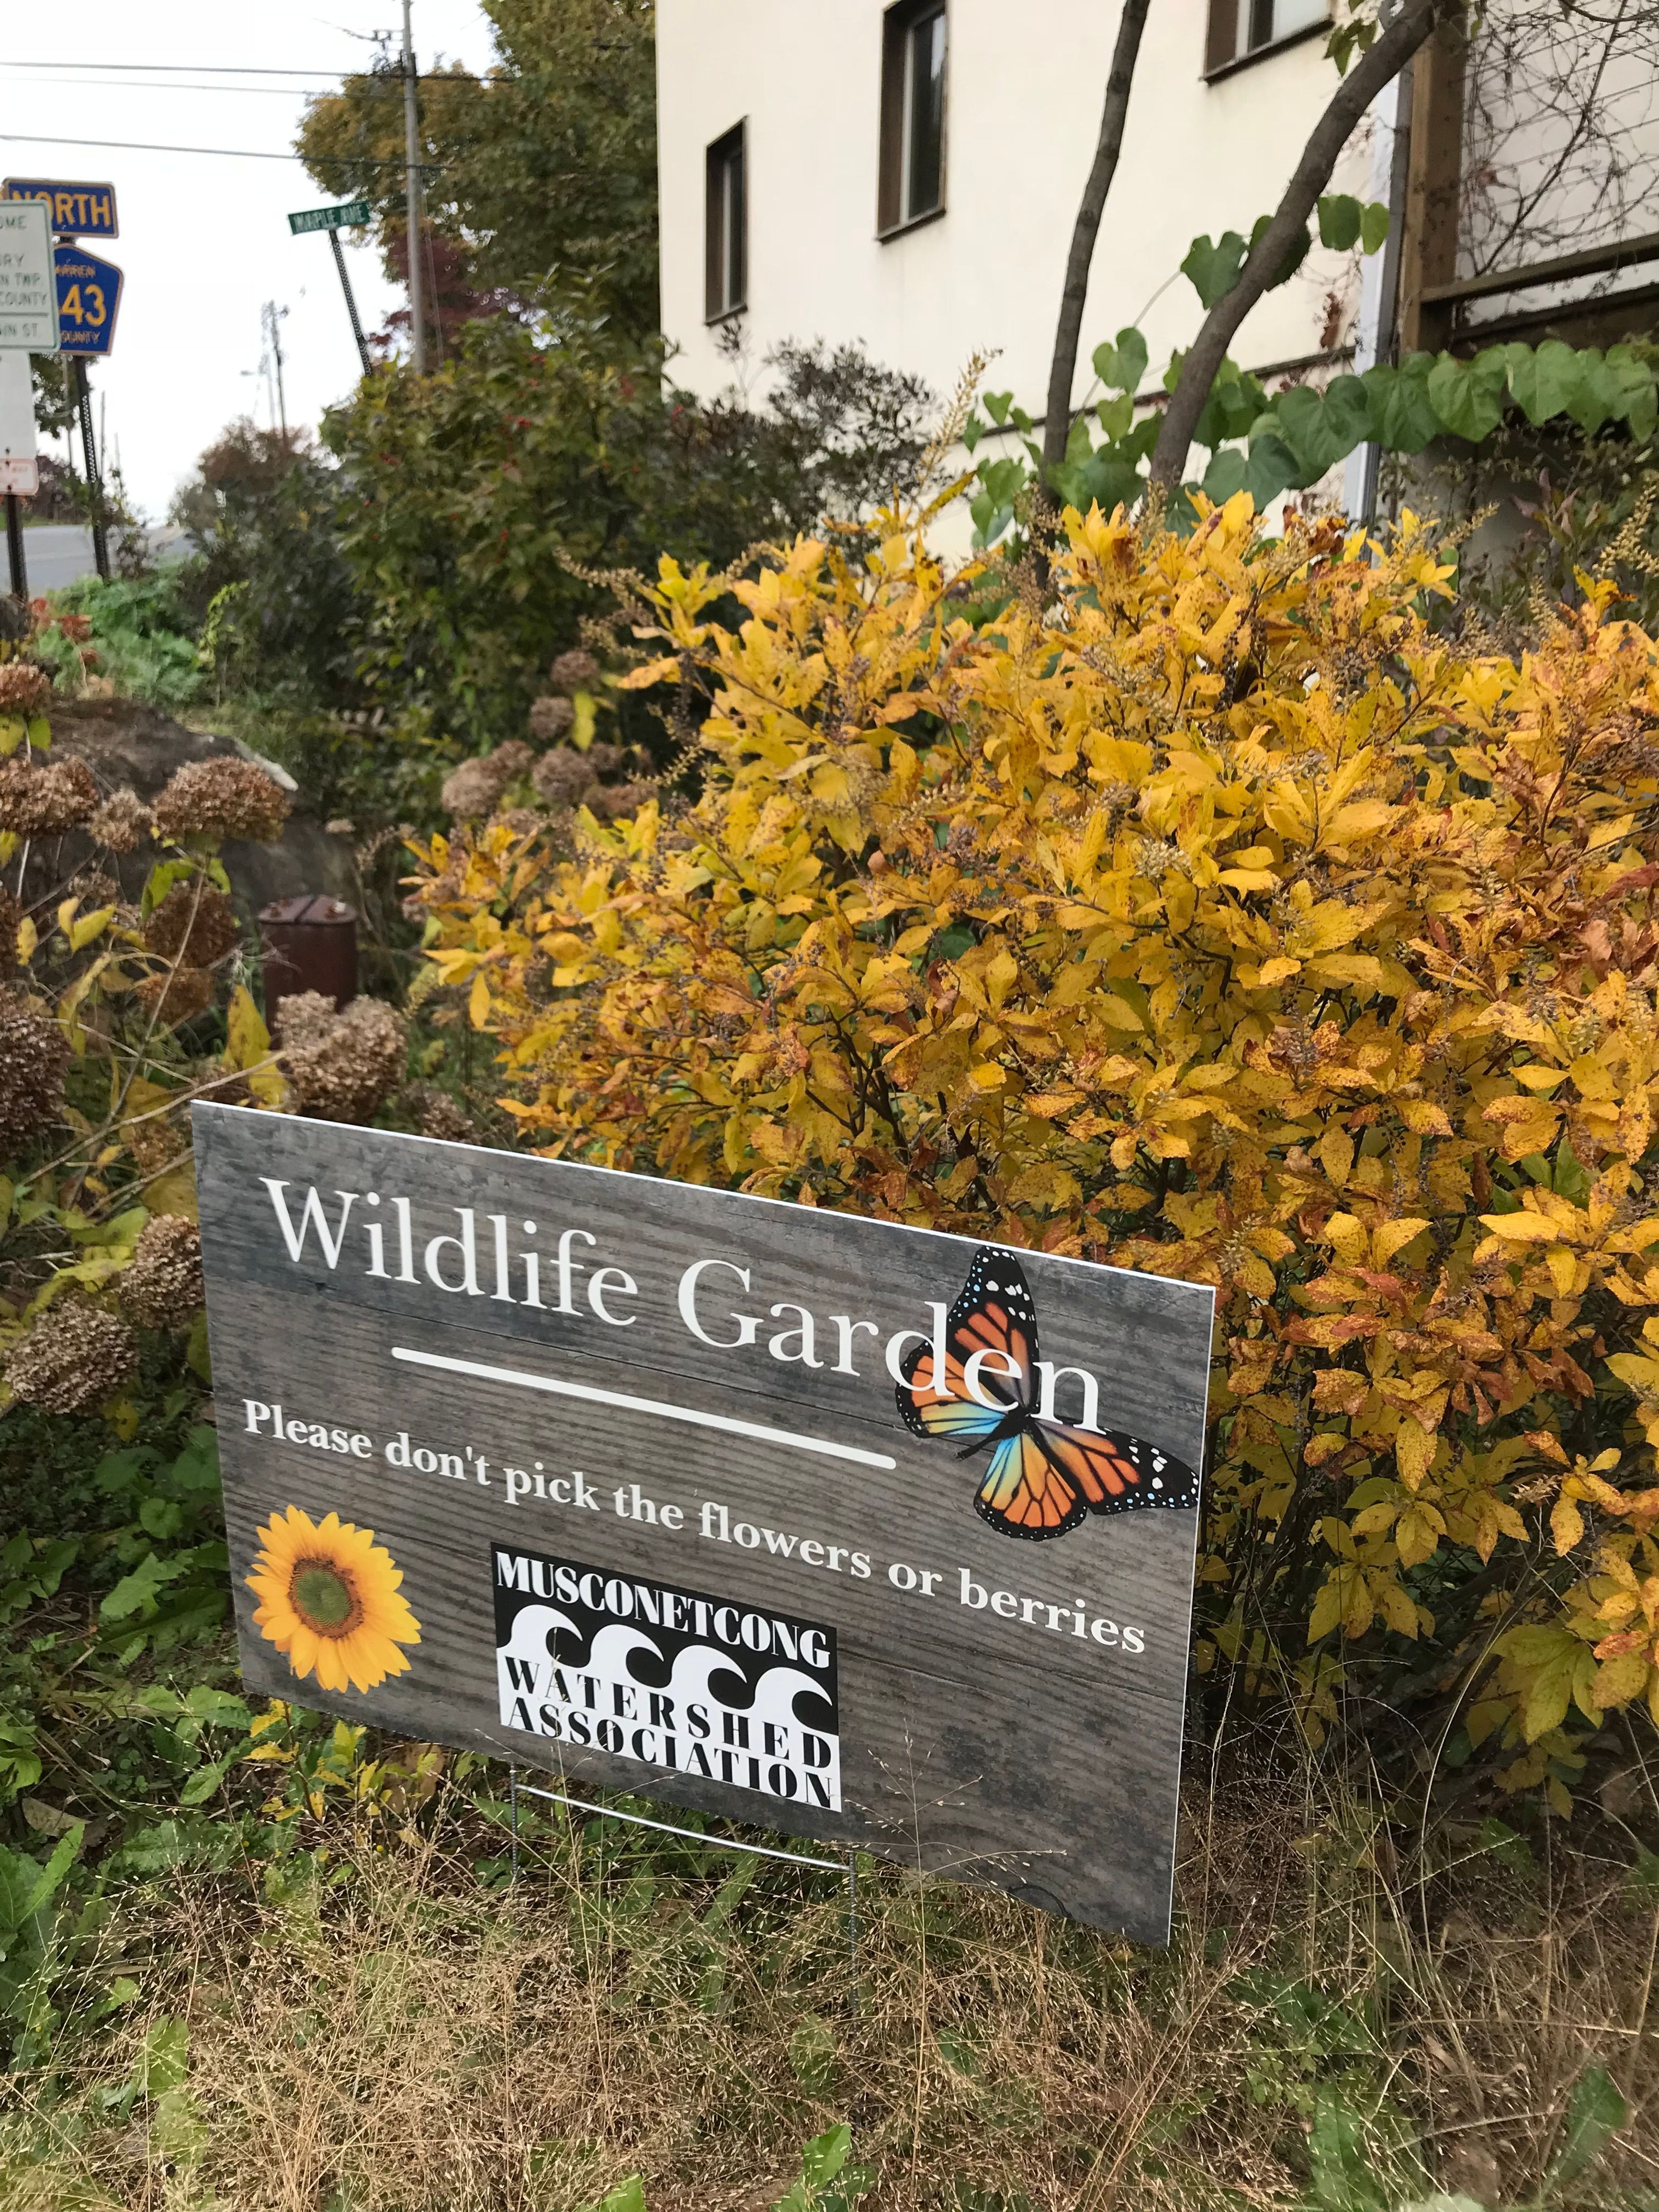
(1057, 421)
(1572, 89)
(1381, 64)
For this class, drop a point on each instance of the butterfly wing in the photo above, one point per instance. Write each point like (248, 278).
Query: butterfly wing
(994, 1313)
(1113, 1472)
(1044, 1477)
(1024, 1493)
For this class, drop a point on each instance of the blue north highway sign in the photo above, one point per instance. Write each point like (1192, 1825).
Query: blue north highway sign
(74, 209)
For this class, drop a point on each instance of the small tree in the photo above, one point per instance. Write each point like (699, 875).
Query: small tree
(1057, 419)
(1285, 234)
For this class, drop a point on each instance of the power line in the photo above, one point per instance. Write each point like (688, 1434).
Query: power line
(219, 91)
(228, 153)
(201, 69)
(216, 69)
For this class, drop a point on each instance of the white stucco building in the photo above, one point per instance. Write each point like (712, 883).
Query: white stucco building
(908, 176)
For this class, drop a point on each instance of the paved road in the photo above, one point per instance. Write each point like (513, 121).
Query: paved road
(58, 553)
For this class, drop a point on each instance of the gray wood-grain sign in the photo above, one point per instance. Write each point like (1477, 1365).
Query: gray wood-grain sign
(660, 1489)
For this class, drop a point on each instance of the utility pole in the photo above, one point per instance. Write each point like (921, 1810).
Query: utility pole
(272, 317)
(412, 197)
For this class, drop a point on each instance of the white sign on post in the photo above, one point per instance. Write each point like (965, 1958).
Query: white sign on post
(19, 469)
(28, 281)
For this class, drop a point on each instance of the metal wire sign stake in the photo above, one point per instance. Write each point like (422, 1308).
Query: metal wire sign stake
(848, 1866)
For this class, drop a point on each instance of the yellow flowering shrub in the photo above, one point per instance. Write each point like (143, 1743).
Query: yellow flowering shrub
(1206, 911)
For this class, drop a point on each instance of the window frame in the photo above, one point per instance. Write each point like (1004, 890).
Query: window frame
(899, 24)
(1221, 34)
(722, 299)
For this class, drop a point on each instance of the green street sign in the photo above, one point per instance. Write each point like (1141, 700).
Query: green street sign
(351, 215)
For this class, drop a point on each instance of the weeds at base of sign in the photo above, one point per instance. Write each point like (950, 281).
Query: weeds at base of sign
(848, 1866)
(639, 2029)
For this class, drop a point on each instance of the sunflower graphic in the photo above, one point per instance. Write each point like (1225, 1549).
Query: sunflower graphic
(329, 1598)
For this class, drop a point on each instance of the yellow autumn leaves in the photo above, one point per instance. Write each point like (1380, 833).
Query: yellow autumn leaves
(1207, 912)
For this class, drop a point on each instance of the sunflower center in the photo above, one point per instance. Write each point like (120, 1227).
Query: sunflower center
(324, 1598)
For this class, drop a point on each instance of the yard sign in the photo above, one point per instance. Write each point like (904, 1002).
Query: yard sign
(843, 1527)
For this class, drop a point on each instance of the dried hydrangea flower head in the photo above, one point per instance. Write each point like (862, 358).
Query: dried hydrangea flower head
(550, 718)
(34, 1055)
(475, 788)
(574, 671)
(177, 994)
(24, 689)
(437, 1114)
(195, 923)
(346, 1072)
(74, 1358)
(156, 1141)
(564, 778)
(161, 1287)
(305, 1017)
(42, 799)
(221, 797)
(611, 800)
(469, 791)
(121, 822)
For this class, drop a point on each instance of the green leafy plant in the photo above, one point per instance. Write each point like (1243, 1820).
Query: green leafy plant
(1267, 443)
(1595, 2112)
(138, 635)
(829, 2179)
(485, 498)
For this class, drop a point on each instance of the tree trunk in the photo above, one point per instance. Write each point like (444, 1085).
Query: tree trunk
(1387, 55)
(1057, 422)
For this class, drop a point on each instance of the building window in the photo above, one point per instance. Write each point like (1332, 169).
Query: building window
(1238, 29)
(726, 257)
(912, 114)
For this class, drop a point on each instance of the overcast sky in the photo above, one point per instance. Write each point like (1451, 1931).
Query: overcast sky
(205, 241)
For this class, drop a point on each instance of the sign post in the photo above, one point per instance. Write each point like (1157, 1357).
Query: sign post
(848, 1529)
(19, 468)
(351, 215)
(83, 391)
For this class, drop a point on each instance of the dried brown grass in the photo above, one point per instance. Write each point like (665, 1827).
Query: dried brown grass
(388, 2035)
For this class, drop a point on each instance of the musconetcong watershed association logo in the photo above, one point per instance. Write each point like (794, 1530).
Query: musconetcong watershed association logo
(673, 1678)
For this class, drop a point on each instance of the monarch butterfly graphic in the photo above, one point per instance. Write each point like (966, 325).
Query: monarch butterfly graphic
(1044, 1476)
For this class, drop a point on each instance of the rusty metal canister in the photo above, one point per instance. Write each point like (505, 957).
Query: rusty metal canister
(309, 944)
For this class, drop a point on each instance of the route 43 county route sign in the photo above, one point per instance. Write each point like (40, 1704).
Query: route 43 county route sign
(89, 296)
(843, 1527)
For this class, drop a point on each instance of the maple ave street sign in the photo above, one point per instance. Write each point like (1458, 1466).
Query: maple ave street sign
(351, 215)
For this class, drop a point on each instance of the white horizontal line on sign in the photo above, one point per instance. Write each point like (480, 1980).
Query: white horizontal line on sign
(660, 1406)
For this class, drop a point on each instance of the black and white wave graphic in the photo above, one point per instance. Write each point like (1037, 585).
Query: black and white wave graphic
(722, 1690)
